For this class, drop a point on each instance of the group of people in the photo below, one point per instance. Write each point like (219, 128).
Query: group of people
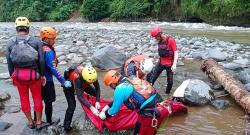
(32, 63)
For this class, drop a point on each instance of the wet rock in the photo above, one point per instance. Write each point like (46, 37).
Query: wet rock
(243, 62)
(82, 122)
(79, 43)
(60, 48)
(216, 86)
(73, 49)
(180, 63)
(77, 59)
(83, 50)
(4, 76)
(61, 58)
(194, 91)
(4, 126)
(197, 54)
(247, 87)
(214, 54)
(244, 77)
(220, 104)
(53, 130)
(232, 66)
(4, 96)
(108, 58)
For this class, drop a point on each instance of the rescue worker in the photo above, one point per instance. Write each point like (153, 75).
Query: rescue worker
(84, 80)
(139, 66)
(168, 53)
(48, 36)
(26, 67)
(135, 94)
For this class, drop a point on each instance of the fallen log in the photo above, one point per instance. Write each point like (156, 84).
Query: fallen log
(234, 88)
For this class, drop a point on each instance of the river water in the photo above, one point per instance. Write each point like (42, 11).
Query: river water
(199, 120)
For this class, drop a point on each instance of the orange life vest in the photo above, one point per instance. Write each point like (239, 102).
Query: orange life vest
(137, 60)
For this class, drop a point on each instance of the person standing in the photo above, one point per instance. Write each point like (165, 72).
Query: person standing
(26, 67)
(48, 36)
(167, 50)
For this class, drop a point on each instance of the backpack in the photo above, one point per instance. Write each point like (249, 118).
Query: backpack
(163, 50)
(23, 55)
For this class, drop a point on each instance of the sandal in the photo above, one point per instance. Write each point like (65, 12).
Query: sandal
(41, 125)
(31, 126)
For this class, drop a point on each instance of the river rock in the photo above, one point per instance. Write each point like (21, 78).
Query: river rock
(80, 43)
(214, 54)
(73, 49)
(13, 109)
(4, 126)
(197, 54)
(4, 76)
(108, 58)
(220, 104)
(4, 96)
(244, 77)
(60, 48)
(61, 58)
(77, 60)
(232, 66)
(194, 91)
(247, 87)
(82, 122)
(243, 62)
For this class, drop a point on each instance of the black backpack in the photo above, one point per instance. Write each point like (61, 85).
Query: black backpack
(22, 54)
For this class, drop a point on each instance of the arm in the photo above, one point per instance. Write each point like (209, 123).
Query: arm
(49, 57)
(117, 102)
(41, 65)
(97, 87)
(79, 92)
(176, 54)
(10, 64)
(174, 48)
(131, 71)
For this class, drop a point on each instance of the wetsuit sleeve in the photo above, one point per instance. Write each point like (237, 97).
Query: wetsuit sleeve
(41, 65)
(98, 91)
(131, 71)
(121, 94)
(49, 58)
(79, 92)
(10, 64)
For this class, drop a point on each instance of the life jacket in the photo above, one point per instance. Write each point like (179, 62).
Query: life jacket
(163, 49)
(74, 72)
(137, 60)
(142, 94)
(46, 48)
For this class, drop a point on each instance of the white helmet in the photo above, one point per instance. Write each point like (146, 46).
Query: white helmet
(146, 66)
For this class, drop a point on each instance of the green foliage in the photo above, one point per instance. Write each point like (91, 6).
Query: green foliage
(95, 10)
(129, 8)
(37, 10)
(62, 12)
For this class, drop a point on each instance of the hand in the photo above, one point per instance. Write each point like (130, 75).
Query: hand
(173, 68)
(102, 115)
(97, 105)
(43, 78)
(67, 84)
(105, 108)
(94, 111)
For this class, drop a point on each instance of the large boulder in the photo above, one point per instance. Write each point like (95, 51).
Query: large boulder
(215, 54)
(194, 92)
(232, 66)
(108, 58)
(4, 76)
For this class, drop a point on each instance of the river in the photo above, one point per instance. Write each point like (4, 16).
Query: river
(199, 120)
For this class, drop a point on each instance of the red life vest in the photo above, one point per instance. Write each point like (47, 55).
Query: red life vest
(137, 60)
(55, 61)
(163, 49)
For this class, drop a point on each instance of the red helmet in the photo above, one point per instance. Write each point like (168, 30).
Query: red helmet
(155, 31)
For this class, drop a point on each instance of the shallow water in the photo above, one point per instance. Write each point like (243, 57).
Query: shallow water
(199, 120)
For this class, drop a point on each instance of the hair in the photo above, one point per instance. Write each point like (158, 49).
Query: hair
(22, 29)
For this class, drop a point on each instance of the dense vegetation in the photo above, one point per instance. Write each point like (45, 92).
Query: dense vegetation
(228, 12)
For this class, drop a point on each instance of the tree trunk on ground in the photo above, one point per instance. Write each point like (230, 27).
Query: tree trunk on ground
(235, 88)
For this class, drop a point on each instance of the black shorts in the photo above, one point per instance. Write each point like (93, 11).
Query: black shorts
(48, 92)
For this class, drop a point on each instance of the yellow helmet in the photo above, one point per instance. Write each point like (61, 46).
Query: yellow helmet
(22, 21)
(89, 74)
